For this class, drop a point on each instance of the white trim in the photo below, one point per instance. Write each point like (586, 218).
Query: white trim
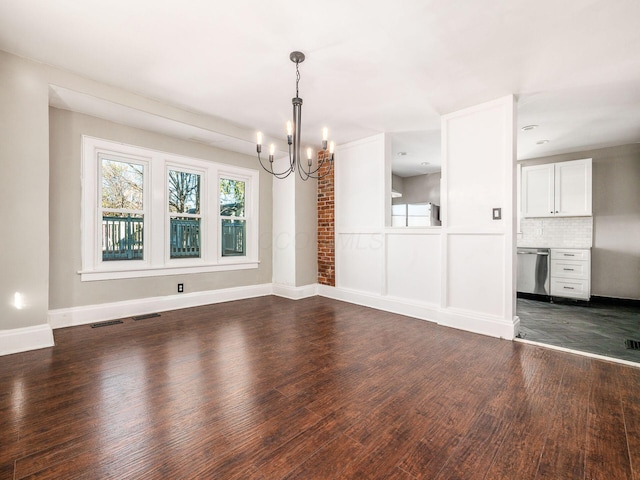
(157, 259)
(295, 293)
(493, 326)
(24, 339)
(69, 317)
(94, 275)
(579, 352)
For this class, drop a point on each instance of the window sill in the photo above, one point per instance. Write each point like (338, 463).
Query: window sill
(115, 274)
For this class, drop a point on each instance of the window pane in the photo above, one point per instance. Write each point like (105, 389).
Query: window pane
(399, 209)
(231, 198)
(122, 237)
(184, 237)
(122, 185)
(184, 192)
(421, 209)
(233, 237)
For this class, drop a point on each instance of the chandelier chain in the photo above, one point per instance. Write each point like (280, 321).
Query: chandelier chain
(297, 79)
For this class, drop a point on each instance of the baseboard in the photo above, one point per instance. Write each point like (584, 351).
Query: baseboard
(459, 319)
(24, 339)
(491, 325)
(69, 317)
(295, 293)
(463, 320)
(621, 302)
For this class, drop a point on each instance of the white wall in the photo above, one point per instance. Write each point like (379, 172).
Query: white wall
(295, 234)
(478, 175)
(460, 275)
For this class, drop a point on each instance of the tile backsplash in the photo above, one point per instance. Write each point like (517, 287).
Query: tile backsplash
(558, 232)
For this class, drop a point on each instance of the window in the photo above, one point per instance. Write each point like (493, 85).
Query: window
(184, 214)
(232, 217)
(202, 216)
(121, 212)
(415, 215)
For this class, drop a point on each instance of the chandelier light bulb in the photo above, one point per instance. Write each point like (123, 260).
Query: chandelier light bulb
(289, 129)
(272, 149)
(325, 134)
(259, 136)
(332, 147)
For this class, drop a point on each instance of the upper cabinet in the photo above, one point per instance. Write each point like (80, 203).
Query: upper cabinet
(557, 189)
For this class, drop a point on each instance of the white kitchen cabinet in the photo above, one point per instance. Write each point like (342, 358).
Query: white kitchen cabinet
(571, 273)
(557, 189)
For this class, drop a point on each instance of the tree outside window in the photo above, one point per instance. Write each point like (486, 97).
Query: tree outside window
(232, 217)
(121, 184)
(184, 211)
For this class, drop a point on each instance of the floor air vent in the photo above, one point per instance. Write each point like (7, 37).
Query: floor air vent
(144, 317)
(105, 324)
(632, 344)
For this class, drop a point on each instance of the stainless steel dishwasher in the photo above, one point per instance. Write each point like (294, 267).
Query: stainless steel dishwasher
(533, 271)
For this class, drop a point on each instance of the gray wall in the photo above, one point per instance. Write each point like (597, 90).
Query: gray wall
(306, 226)
(418, 189)
(24, 190)
(66, 289)
(615, 257)
(24, 193)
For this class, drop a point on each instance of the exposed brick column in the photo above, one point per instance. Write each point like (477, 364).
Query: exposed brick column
(326, 228)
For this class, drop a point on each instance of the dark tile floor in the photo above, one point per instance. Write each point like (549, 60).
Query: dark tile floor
(589, 327)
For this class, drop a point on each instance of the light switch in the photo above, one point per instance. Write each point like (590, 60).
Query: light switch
(497, 213)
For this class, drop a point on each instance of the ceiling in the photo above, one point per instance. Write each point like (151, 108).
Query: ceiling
(371, 66)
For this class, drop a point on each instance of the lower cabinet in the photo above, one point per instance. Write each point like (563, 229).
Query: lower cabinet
(571, 273)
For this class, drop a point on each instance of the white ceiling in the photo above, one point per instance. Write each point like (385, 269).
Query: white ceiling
(371, 67)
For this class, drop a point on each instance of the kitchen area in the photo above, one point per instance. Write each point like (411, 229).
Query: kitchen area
(578, 252)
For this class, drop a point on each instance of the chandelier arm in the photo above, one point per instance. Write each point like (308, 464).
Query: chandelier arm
(301, 172)
(320, 164)
(318, 177)
(275, 174)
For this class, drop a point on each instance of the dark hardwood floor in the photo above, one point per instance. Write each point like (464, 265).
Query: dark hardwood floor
(270, 388)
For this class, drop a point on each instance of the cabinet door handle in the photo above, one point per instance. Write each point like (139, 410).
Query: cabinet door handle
(568, 269)
(568, 288)
(569, 254)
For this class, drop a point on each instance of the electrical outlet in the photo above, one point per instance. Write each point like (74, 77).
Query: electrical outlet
(180, 287)
(497, 214)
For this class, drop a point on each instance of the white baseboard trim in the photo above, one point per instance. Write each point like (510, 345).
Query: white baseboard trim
(295, 293)
(460, 319)
(463, 320)
(24, 339)
(491, 325)
(69, 317)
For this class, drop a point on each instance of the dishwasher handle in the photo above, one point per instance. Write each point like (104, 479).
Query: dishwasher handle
(534, 253)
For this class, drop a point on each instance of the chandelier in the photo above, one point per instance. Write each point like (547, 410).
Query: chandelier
(293, 139)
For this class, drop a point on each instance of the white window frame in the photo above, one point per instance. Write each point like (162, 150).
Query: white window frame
(156, 255)
(250, 211)
(205, 212)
